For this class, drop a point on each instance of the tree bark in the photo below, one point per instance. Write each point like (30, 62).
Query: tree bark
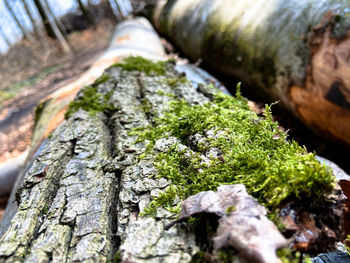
(81, 199)
(292, 51)
(74, 205)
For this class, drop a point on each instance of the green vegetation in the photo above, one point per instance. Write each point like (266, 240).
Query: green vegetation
(347, 244)
(6, 95)
(91, 100)
(117, 257)
(174, 81)
(253, 152)
(141, 64)
(11, 91)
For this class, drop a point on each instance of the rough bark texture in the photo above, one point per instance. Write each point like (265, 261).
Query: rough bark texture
(132, 37)
(81, 198)
(293, 51)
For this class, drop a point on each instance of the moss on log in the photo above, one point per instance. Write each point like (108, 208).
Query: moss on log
(87, 194)
(296, 52)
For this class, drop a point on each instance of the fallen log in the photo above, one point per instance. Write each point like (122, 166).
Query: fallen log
(296, 52)
(135, 144)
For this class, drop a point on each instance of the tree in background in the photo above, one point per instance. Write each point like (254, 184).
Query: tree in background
(45, 19)
(4, 37)
(55, 18)
(51, 26)
(86, 13)
(119, 9)
(18, 23)
(31, 18)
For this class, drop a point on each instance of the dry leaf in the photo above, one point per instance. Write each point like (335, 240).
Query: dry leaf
(243, 223)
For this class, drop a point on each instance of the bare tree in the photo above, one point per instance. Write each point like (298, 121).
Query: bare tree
(51, 26)
(30, 16)
(113, 16)
(86, 13)
(18, 23)
(58, 22)
(119, 9)
(45, 19)
(4, 37)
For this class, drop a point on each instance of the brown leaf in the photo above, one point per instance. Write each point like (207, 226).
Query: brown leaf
(243, 223)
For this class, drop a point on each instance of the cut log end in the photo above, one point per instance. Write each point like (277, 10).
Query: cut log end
(324, 101)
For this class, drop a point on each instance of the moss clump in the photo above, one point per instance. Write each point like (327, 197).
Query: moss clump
(253, 152)
(172, 82)
(347, 244)
(91, 100)
(141, 64)
(117, 257)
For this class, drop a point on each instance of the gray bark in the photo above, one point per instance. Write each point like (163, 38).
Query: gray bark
(80, 201)
(82, 196)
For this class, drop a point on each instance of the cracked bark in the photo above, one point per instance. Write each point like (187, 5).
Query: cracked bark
(81, 199)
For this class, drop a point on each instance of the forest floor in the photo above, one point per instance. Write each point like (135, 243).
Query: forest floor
(23, 87)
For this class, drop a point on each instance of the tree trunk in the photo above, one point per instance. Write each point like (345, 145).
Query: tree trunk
(57, 20)
(81, 199)
(45, 19)
(110, 8)
(86, 13)
(293, 51)
(51, 26)
(119, 9)
(19, 25)
(29, 14)
(4, 37)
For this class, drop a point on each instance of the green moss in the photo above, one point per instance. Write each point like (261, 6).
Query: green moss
(347, 244)
(199, 257)
(226, 255)
(141, 64)
(91, 100)
(230, 209)
(104, 78)
(117, 257)
(254, 152)
(45, 209)
(286, 255)
(172, 82)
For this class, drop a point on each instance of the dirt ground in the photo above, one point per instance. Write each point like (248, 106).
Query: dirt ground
(17, 114)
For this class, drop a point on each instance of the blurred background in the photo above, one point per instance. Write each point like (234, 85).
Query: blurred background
(45, 44)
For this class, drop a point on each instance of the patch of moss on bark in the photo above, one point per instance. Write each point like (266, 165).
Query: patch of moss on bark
(144, 65)
(90, 99)
(253, 152)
